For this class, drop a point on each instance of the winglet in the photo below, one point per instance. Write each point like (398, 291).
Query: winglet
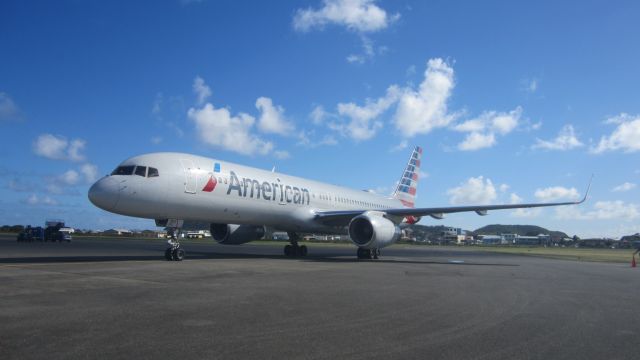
(586, 192)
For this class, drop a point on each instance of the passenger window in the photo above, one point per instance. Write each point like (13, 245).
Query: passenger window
(141, 171)
(153, 172)
(123, 170)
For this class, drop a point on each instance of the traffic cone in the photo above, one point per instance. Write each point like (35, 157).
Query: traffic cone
(633, 261)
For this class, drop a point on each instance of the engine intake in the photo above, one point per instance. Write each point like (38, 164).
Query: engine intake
(371, 230)
(232, 234)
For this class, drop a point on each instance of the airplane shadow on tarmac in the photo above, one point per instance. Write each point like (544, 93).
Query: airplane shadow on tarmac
(197, 255)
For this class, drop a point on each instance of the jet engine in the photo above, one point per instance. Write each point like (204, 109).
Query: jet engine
(232, 234)
(371, 230)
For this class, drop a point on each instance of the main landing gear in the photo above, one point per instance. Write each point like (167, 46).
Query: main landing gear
(295, 250)
(368, 253)
(174, 252)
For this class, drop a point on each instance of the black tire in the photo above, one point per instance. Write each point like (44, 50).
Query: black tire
(303, 250)
(178, 254)
(168, 254)
(288, 250)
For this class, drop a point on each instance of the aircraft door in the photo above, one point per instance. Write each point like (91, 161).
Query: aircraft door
(190, 180)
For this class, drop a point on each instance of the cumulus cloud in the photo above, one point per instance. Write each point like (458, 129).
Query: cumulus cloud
(624, 137)
(59, 148)
(33, 199)
(217, 127)
(566, 140)
(556, 193)
(356, 15)
(8, 109)
(602, 210)
(522, 213)
(90, 172)
(476, 190)
(71, 177)
(420, 111)
(305, 139)
(364, 121)
(482, 131)
(318, 115)
(624, 187)
(202, 90)
(272, 118)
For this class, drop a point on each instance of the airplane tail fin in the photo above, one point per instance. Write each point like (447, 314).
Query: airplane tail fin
(406, 189)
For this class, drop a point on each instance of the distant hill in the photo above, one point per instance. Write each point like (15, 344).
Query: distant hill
(523, 230)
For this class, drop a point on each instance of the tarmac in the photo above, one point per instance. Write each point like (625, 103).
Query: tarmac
(118, 298)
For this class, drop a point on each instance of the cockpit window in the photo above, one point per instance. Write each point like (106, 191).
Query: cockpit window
(123, 170)
(141, 171)
(153, 172)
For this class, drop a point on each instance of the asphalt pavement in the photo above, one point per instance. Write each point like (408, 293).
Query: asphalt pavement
(118, 298)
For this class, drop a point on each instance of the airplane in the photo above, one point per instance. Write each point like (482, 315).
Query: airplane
(239, 202)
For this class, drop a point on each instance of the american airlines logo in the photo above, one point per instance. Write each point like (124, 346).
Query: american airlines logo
(271, 191)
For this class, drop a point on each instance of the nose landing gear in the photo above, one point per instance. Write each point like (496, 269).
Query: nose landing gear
(174, 252)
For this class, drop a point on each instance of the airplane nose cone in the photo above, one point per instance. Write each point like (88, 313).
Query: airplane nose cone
(104, 193)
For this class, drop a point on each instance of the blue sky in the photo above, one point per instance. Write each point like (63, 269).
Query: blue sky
(512, 102)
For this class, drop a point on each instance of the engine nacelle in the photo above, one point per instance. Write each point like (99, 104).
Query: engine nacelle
(232, 234)
(371, 230)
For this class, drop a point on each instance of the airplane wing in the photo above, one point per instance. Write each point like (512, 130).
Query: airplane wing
(343, 217)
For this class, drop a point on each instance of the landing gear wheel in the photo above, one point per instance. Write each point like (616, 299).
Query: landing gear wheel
(288, 250)
(364, 253)
(168, 254)
(178, 254)
(302, 250)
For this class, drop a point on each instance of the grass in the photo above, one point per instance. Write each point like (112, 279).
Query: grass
(568, 253)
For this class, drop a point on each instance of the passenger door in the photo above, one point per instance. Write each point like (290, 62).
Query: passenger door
(190, 180)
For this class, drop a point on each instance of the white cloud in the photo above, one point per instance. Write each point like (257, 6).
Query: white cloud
(356, 15)
(363, 124)
(522, 213)
(90, 172)
(71, 177)
(8, 108)
(75, 147)
(624, 137)
(304, 139)
(59, 148)
(318, 114)
(50, 146)
(423, 110)
(474, 191)
(202, 90)
(33, 199)
(483, 129)
(566, 140)
(602, 210)
(624, 187)
(216, 127)
(530, 85)
(556, 193)
(272, 118)
(401, 146)
(476, 141)
(504, 188)
(281, 154)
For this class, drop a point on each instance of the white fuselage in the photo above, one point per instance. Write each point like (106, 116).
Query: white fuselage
(196, 188)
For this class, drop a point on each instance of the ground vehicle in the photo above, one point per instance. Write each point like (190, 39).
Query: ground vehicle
(52, 231)
(30, 234)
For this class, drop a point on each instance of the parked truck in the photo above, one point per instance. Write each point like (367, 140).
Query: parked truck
(52, 231)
